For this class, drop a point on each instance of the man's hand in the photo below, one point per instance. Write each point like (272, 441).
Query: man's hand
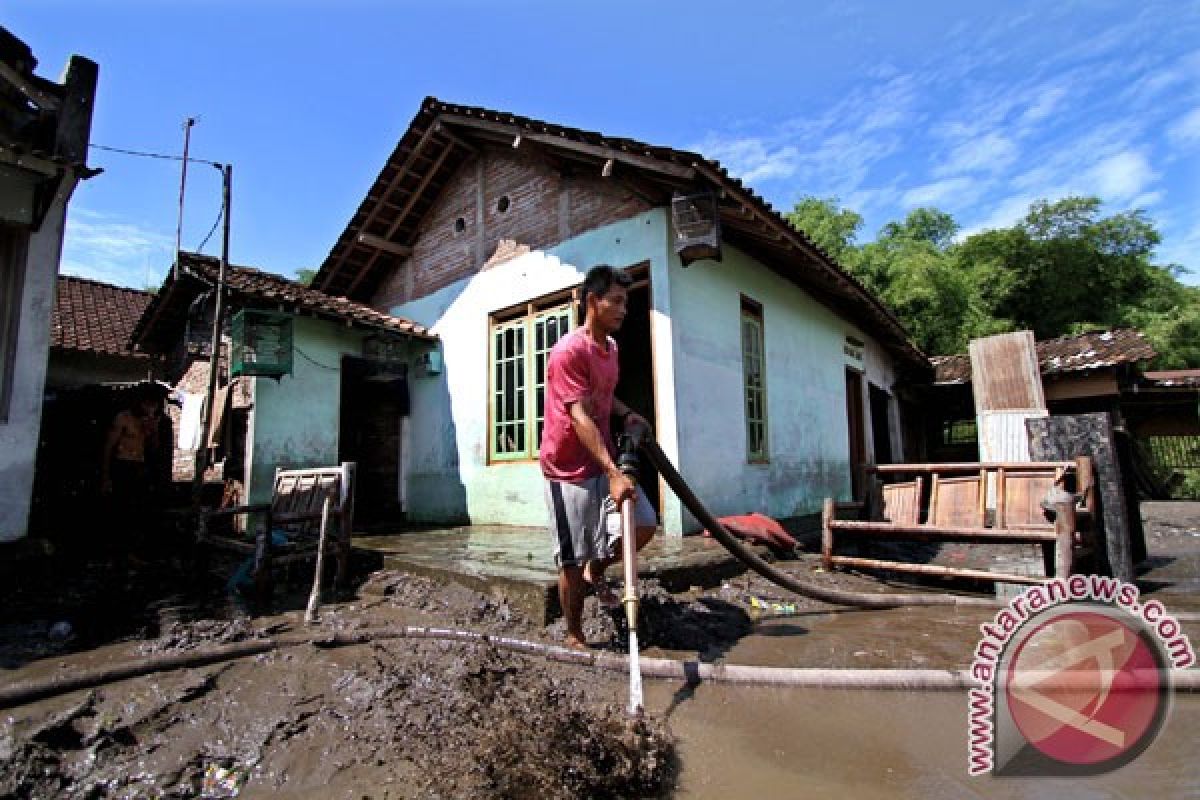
(636, 424)
(620, 487)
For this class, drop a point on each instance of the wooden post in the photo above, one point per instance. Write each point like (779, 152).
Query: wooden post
(827, 534)
(262, 551)
(1064, 537)
(214, 362)
(1060, 438)
(314, 598)
(345, 523)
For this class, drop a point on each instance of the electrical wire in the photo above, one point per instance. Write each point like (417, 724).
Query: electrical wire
(162, 156)
(313, 361)
(216, 222)
(169, 157)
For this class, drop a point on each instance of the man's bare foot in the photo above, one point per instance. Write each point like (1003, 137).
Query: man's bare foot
(576, 642)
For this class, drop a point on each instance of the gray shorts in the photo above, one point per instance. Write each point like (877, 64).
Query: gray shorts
(584, 522)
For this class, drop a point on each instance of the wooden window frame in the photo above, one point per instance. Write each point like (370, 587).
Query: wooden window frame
(751, 311)
(525, 317)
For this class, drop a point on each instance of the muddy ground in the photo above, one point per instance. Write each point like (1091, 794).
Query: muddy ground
(405, 718)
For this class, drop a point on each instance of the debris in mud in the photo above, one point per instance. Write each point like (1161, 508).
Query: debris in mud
(417, 719)
(202, 633)
(463, 605)
(665, 620)
(24, 642)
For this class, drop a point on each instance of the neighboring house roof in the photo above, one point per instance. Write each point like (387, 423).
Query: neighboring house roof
(1173, 378)
(443, 136)
(252, 287)
(94, 317)
(1084, 351)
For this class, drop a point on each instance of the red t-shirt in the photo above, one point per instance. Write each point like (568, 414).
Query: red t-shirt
(578, 369)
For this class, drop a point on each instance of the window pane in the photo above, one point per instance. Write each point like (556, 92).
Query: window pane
(754, 385)
(520, 370)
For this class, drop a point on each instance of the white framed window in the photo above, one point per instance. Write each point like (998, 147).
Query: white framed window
(520, 341)
(754, 380)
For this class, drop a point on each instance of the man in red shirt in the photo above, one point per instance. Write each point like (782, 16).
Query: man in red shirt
(584, 488)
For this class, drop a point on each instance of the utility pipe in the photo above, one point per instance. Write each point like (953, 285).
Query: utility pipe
(629, 468)
(690, 671)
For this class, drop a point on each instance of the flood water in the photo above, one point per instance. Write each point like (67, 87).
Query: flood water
(741, 741)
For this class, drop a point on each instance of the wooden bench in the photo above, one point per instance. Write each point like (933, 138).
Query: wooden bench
(295, 511)
(957, 511)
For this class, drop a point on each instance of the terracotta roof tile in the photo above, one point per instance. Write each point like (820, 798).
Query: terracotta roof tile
(94, 317)
(806, 260)
(253, 283)
(1084, 351)
(1188, 378)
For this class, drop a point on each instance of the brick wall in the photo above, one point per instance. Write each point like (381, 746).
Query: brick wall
(194, 380)
(544, 208)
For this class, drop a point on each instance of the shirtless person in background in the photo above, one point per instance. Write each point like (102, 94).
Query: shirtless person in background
(133, 432)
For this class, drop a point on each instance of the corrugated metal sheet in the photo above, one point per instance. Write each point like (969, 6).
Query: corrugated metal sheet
(1002, 435)
(1078, 353)
(1005, 373)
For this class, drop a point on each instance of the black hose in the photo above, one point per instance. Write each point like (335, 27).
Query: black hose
(751, 559)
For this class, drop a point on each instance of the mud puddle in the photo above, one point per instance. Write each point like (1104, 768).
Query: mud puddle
(758, 742)
(405, 718)
(390, 719)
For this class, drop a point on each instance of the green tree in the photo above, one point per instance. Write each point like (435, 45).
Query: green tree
(305, 276)
(1064, 266)
(911, 266)
(828, 225)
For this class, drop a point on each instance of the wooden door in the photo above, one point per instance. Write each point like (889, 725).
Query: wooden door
(854, 418)
(370, 436)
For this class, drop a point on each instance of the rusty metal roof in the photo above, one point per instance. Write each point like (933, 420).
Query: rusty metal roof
(94, 317)
(1172, 378)
(252, 287)
(443, 136)
(1084, 351)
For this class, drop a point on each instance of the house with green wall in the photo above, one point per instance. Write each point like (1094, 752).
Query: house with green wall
(768, 373)
(297, 402)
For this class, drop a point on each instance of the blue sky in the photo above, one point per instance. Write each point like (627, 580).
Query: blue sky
(975, 108)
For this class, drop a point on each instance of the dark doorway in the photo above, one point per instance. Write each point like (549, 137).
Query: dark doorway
(854, 418)
(636, 385)
(881, 429)
(374, 398)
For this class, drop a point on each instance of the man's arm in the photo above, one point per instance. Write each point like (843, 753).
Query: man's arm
(619, 486)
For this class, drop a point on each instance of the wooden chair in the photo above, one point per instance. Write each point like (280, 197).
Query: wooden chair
(958, 502)
(289, 525)
(902, 502)
(958, 513)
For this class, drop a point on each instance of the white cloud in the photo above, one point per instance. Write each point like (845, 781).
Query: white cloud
(1182, 247)
(991, 152)
(104, 248)
(1186, 129)
(1147, 199)
(751, 158)
(951, 191)
(1043, 105)
(1009, 210)
(1120, 177)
